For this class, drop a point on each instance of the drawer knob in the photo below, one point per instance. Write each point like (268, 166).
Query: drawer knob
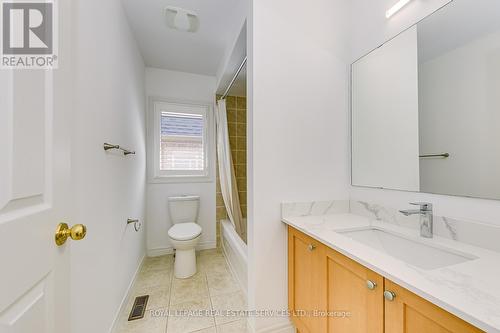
(389, 295)
(371, 284)
(311, 247)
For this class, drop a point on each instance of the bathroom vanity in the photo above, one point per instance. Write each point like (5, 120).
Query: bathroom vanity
(424, 118)
(349, 273)
(354, 298)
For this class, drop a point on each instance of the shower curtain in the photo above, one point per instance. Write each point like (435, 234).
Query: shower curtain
(227, 177)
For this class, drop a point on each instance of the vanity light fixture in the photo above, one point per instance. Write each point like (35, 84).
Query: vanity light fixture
(396, 8)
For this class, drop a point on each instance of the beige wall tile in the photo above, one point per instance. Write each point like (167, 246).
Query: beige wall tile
(241, 156)
(231, 102)
(243, 197)
(236, 114)
(232, 129)
(241, 102)
(241, 143)
(221, 213)
(232, 115)
(241, 170)
(234, 156)
(232, 141)
(241, 129)
(241, 116)
(242, 184)
(219, 200)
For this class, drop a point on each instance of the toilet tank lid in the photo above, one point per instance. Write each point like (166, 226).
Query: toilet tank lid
(184, 198)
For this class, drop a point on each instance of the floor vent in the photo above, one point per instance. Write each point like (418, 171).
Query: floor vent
(139, 308)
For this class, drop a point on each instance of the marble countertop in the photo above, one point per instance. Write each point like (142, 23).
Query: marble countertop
(469, 290)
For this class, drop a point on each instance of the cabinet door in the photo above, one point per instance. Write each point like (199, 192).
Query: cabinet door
(410, 313)
(306, 282)
(356, 292)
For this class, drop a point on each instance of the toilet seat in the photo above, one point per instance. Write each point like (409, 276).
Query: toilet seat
(184, 231)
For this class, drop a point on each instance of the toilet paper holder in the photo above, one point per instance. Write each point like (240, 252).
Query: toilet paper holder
(136, 222)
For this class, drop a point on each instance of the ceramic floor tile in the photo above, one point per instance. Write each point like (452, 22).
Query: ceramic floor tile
(213, 264)
(210, 252)
(166, 292)
(147, 280)
(221, 283)
(207, 330)
(158, 263)
(239, 326)
(148, 324)
(158, 299)
(227, 307)
(195, 320)
(193, 288)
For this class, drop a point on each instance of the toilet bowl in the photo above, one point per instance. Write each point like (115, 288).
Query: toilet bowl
(184, 233)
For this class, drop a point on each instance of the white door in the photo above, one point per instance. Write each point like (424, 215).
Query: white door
(35, 193)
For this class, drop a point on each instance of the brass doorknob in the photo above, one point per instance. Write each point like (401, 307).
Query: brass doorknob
(77, 232)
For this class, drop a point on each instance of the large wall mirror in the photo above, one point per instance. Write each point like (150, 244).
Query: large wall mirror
(426, 106)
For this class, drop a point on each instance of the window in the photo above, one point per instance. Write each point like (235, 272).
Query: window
(181, 142)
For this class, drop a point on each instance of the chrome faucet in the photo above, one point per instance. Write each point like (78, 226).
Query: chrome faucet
(426, 214)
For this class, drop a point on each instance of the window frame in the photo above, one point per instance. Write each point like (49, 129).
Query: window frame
(157, 105)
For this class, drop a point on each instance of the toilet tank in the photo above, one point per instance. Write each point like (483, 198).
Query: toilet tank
(183, 208)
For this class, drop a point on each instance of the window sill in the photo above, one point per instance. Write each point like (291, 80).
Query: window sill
(180, 179)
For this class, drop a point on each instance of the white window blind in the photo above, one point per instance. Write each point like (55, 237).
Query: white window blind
(181, 142)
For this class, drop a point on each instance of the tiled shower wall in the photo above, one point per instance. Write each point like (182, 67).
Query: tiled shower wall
(237, 124)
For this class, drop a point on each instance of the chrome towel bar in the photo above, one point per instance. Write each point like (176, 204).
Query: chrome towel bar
(444, 155)
(109, 146)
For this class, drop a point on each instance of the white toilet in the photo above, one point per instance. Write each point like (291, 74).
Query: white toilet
(184, 233)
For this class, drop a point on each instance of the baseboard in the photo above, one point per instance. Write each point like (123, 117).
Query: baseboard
(279, 328)
(161, 251)
(126, 296)
(207, 245)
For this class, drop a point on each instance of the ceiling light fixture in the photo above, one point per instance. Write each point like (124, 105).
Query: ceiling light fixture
(396, 8)
(182, 19)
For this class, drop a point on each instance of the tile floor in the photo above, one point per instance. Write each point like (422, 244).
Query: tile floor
(178, 305)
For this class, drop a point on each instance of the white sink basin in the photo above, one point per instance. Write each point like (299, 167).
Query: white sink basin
(408, 250)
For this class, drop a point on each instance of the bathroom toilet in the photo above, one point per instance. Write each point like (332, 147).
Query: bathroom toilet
(184, 233)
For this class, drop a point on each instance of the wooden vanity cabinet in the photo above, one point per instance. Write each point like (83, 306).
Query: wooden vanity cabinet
(322, 281)
(410, 313)
(354, 291)
(306, 282)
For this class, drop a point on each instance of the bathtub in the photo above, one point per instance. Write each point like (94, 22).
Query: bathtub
(235, 251)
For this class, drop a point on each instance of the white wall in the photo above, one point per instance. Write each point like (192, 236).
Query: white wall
(235, 51)
(297, 129)
(179, 86)
(385, 116)
(371, 28)
(109, 188)
(467, 125)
